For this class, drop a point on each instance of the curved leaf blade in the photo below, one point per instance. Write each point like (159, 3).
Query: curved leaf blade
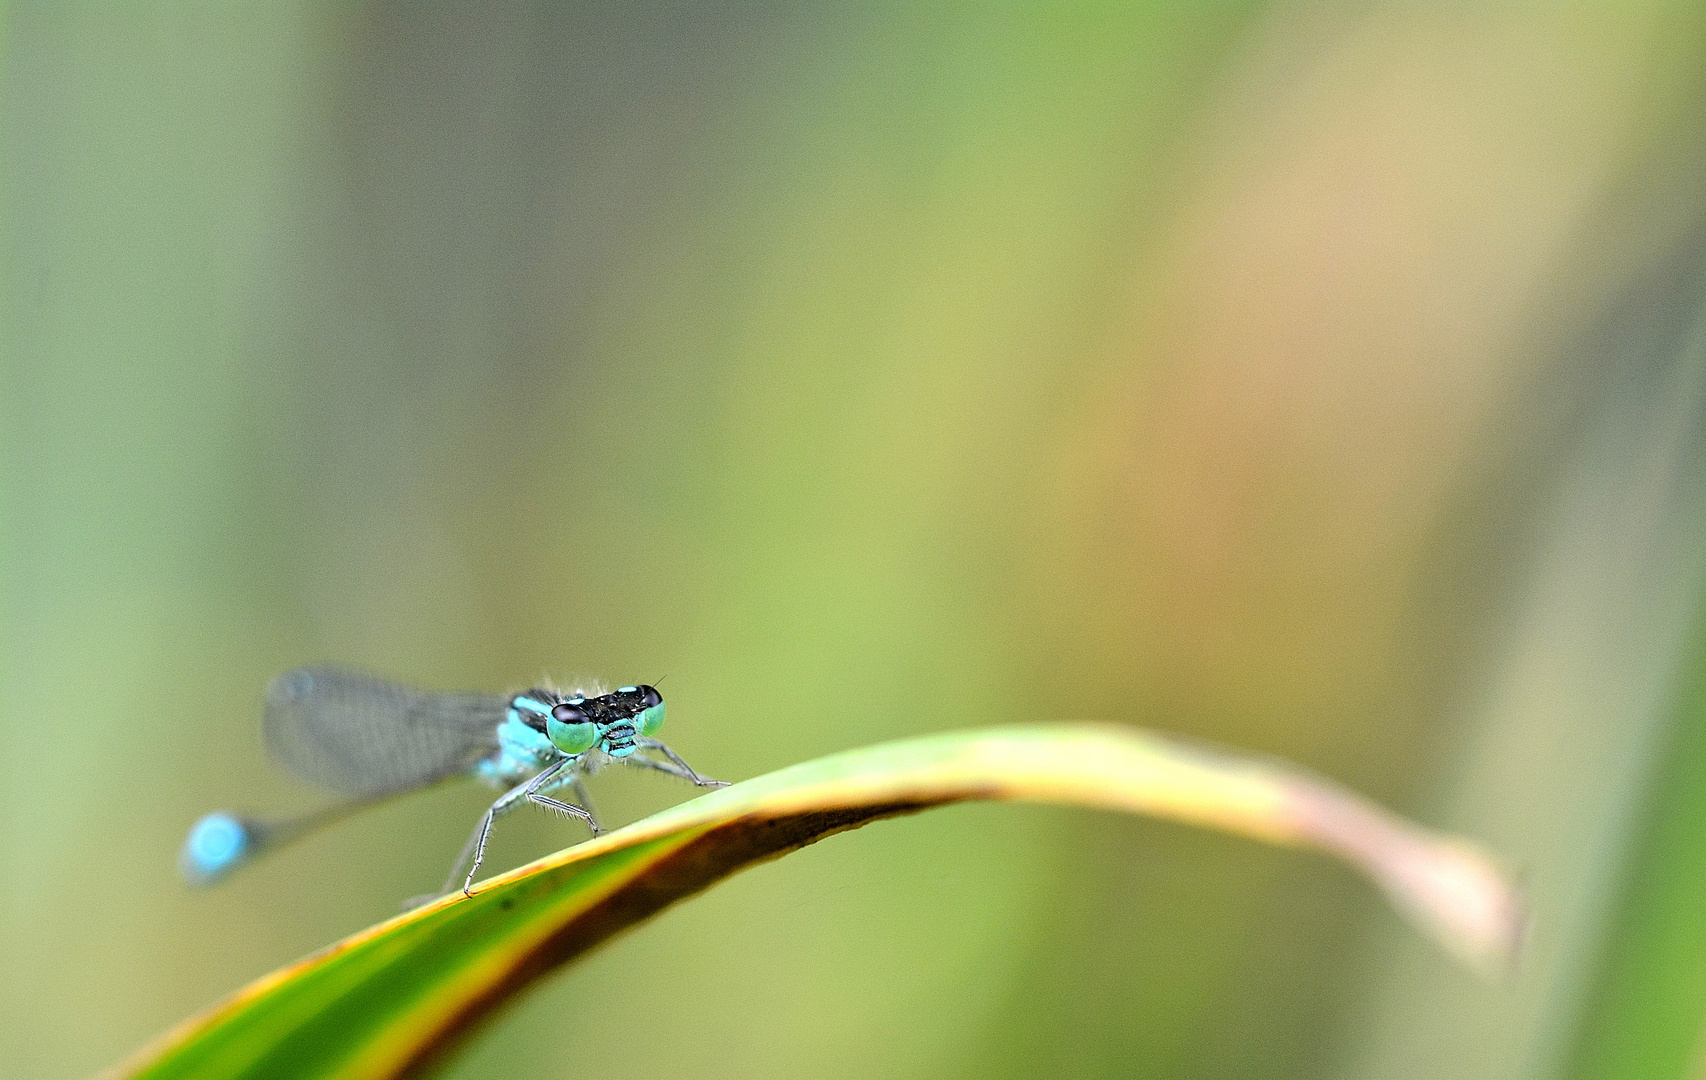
(387, 1001)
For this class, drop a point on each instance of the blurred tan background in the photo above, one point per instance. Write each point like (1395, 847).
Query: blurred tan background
(1320, 379)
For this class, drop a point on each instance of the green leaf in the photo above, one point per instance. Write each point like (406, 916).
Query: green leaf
(389, 1000)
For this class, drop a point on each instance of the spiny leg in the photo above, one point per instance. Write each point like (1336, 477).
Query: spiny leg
(660, 766)
(566, 808)
(573, 779)
(681, 769)
(506, 802)
(477, 843)
(475, 839)
(586, 802)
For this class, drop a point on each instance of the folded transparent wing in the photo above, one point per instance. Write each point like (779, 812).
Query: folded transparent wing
(362, 736)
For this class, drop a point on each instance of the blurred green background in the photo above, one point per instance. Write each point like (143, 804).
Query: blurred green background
(1321, 379)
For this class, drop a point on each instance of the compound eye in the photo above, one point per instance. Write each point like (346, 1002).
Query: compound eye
(570, 729)
(651, 714)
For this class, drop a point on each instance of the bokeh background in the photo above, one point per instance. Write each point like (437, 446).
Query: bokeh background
(1320, 379)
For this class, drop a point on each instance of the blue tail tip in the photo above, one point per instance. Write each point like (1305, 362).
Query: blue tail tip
(216, 845)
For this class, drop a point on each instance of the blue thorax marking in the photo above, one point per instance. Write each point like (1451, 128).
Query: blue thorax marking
(522, 751)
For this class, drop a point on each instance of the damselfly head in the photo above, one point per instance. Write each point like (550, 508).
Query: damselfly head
(611, 722)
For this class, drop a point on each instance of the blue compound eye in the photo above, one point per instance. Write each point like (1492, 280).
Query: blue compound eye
(570, 729)
(651, 716)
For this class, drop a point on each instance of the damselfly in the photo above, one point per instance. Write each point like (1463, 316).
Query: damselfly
(367, 739)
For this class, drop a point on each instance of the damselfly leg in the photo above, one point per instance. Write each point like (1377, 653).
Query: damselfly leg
(514, 797)
(585, 800)
(674, 767)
